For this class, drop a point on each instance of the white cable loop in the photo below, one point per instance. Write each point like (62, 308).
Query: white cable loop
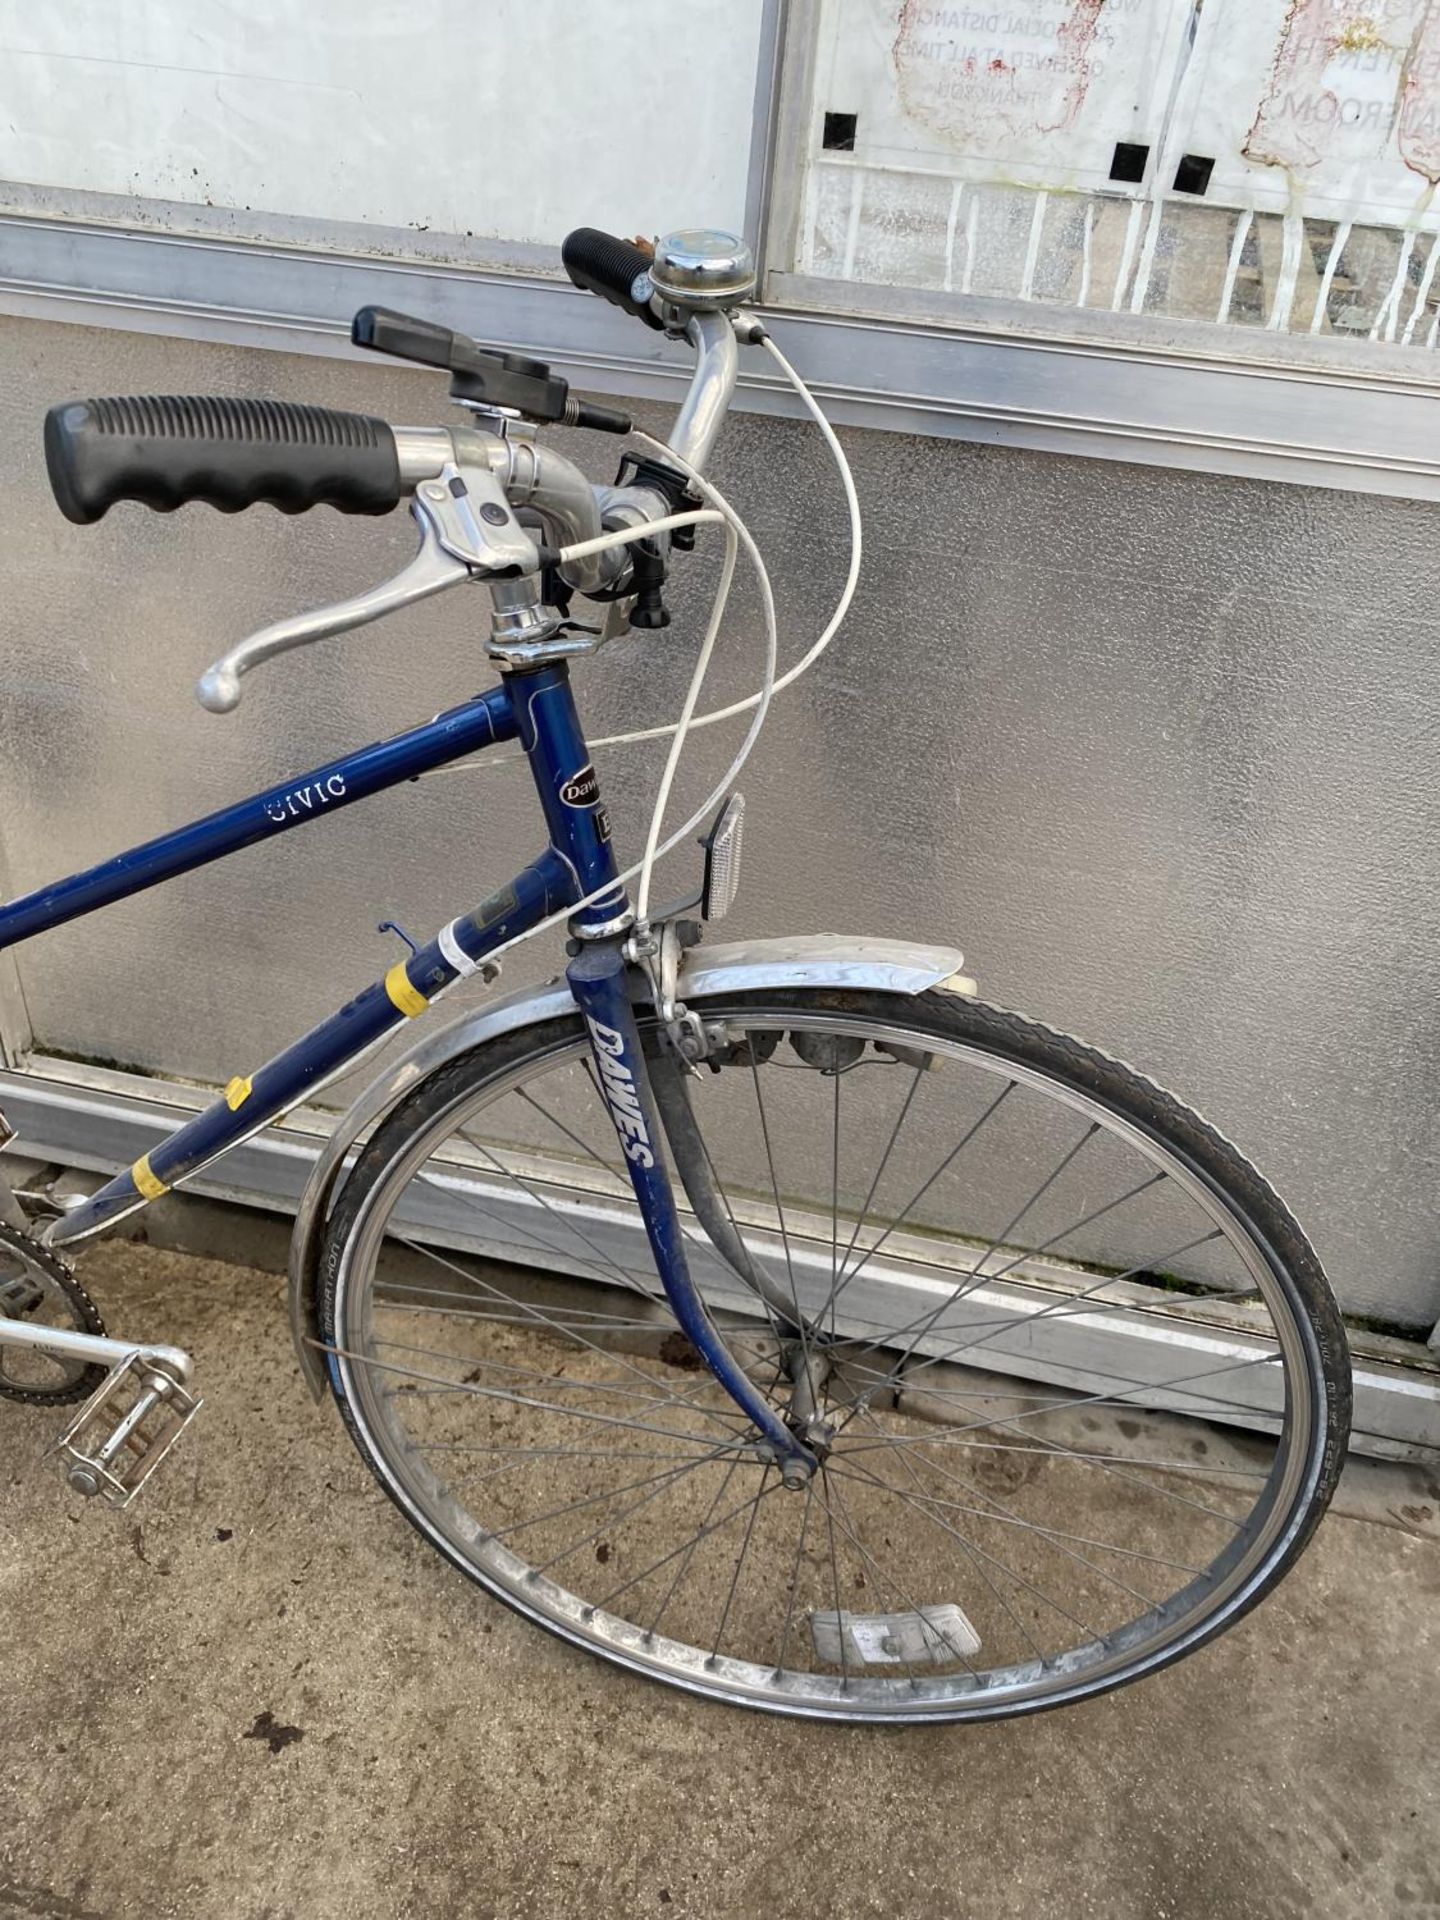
(677, 745)
(762, 702)
(719, 509)
(622, 536)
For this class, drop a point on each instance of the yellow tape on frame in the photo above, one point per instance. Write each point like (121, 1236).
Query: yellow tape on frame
(408, 999)
(147, 1182)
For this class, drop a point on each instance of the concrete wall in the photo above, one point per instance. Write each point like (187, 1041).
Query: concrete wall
(1156, 749)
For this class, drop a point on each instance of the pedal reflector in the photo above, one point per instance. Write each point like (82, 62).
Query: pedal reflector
(923, 1636)
(125, 1429)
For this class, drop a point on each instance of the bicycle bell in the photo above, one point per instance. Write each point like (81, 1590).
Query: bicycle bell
(703, 269)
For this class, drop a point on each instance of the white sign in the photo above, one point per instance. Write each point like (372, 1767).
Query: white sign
(1031, 92)
(1268, 162)
(1320, 107)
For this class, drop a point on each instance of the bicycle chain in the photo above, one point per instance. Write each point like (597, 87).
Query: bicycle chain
(85, 1313)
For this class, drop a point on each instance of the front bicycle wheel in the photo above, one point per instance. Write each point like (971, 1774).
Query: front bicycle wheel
(1078, 1386)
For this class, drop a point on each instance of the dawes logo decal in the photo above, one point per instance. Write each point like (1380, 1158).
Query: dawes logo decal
(582, 789)
(620, 1094)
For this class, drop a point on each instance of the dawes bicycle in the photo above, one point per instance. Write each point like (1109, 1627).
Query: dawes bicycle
(777, 1320)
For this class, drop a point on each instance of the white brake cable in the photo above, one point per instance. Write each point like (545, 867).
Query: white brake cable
(761, 701)
(847, 592)
(677, 745)
(807, 660)
(622, 535)
(718, 509)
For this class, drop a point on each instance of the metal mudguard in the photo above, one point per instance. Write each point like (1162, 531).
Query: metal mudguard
(812, 960)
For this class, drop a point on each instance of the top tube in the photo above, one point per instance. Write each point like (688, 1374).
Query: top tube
(482, 722)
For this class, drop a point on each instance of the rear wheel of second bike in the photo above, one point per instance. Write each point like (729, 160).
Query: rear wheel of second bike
(1078, 1386)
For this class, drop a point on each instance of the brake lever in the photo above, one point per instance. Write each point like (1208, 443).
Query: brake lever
(467, 532)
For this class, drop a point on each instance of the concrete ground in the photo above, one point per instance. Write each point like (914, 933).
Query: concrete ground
(258, 1695)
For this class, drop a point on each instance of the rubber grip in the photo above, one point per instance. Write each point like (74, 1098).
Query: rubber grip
(603, 264)
(168, 449)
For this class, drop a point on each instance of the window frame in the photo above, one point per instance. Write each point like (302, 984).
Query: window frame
(1132, 387)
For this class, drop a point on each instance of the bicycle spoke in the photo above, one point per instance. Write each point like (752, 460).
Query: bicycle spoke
(977, 1277)
(776, 1328)
(740, 1562)
(820, 1478)
(567, 1453)
(704, 1534)
(417, 1299)
(780, 1216)
(1012, 1423)
(684, 1566)
(656, 1482)
(929, 1634)
(997, 1446)
(1007, 1517)
(558, 1381)
(884, 1162)
(537, 1313)
(919, 1503)
(927, 1321)
(693, 1234)
(973, 1133)
(606, 1266)
(834, 1205)
(606, 1261)
(997, 1510)
(1066, 1307)
(794, 1587)
(520, 1400)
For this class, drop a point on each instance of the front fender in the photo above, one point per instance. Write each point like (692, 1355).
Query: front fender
(810, 960)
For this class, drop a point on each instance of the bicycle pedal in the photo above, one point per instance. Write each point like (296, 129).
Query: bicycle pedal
(20, 1296)
(921, 1636)
(125, 1429)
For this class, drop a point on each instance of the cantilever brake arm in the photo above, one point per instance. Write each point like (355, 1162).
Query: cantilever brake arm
(456, 543)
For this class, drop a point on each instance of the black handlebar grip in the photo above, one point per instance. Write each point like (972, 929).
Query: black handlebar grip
(168, 449)
(602, 264)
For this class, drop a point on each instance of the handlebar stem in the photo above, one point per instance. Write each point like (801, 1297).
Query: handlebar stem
(538, 477)
(703, 413)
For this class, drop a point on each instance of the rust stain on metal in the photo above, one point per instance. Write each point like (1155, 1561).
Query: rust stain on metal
(1077, 38)
(1359, 35)
(1417, 134)
(1343, 82)
(981, 97)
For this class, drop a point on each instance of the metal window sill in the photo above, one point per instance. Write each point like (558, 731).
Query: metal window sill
(1158, 400)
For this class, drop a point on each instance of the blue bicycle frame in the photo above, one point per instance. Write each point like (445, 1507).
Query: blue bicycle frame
(538, 709)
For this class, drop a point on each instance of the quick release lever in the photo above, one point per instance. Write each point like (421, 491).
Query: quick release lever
(483, 376)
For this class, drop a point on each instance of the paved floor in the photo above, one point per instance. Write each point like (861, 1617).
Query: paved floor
(259, 1696)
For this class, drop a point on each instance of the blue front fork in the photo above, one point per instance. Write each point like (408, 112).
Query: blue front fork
(597, 979)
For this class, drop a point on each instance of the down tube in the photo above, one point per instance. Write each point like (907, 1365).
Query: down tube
(252, 1101)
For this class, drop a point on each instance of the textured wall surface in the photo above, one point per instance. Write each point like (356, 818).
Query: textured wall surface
(1158, 750)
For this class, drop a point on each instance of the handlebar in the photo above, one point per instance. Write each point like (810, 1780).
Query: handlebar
(466, 485)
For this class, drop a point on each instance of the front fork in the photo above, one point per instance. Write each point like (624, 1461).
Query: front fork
(597, 977)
